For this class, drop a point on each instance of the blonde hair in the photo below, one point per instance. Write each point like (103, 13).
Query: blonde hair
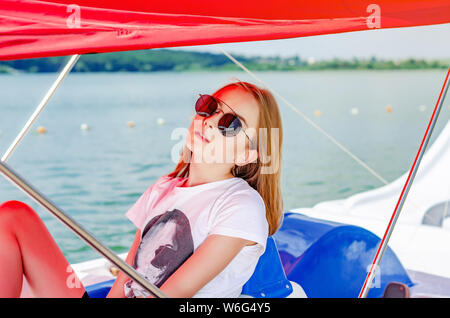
(268, 185)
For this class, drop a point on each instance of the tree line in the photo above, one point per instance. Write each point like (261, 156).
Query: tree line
(178, 61)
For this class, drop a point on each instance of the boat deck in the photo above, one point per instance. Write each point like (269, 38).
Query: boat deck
(428, 285)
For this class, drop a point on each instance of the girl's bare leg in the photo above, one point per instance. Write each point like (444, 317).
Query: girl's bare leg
(27, 248)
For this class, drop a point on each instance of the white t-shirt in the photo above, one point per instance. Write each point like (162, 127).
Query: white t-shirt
(175, 220)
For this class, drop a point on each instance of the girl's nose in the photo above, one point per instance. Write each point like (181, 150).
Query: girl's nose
(213, 120)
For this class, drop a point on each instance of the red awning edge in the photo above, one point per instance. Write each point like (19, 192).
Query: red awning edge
(31, 29)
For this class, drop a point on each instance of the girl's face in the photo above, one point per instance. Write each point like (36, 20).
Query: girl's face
(216, 148)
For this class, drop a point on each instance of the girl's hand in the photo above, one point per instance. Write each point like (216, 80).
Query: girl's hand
(117, 288)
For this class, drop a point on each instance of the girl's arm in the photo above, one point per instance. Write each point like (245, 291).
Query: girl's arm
(117, 288)
(215, 253)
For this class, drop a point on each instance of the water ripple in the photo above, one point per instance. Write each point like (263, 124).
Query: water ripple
(313, 183)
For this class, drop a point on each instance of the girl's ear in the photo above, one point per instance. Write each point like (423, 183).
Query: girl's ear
(252, 155)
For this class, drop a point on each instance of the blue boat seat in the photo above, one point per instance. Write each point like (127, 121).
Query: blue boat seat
(268, 279)
(331, 260)
(99, 290)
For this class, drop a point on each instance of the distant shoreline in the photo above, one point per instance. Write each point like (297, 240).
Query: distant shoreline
(157, 60)
(208, 71)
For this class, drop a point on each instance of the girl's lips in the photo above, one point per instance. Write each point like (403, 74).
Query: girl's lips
(201, 136)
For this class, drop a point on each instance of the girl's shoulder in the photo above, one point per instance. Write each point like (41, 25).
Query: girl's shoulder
(241, 212)
(166, 180)
(241, 197)
(242, 193)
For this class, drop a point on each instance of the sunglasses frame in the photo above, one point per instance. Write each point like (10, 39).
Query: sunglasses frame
(217, 100)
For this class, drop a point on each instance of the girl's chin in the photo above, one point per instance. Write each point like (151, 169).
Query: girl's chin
(203, 150)
(209, 159)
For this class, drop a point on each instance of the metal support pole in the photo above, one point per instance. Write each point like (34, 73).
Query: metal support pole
(77, 229)
(41, 105)
(404, 193)
(52, 208)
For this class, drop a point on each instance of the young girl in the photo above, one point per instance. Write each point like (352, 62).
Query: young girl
(200, 229)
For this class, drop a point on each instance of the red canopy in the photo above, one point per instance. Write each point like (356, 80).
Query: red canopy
(31, 29)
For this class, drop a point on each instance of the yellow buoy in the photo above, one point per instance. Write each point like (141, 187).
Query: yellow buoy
(130, 124)
(41, 130)
(354, 111)
(388, 109)
(160, 121)
(317, 113)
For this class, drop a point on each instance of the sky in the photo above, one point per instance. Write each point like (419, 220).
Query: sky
(428, 42)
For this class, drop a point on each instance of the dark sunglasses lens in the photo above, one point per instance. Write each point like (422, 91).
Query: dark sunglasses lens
(206, 105)
(229, 125)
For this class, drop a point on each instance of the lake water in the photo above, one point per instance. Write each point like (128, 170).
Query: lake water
(96, 175)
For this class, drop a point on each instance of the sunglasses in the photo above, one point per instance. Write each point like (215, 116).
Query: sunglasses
(229, 124)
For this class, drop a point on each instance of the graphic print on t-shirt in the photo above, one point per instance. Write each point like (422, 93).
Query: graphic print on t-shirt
(166, 243)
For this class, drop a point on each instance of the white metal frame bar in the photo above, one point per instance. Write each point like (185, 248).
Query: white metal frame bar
(409, 181)
(41, 106)
(33, 193)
